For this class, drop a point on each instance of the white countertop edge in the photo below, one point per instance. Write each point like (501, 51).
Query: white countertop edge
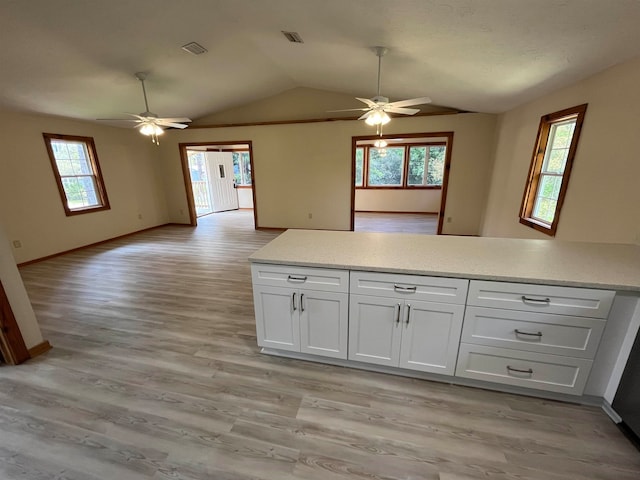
(469, 276)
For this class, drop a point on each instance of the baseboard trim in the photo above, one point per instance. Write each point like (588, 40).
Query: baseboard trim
(391, 211)
(53, 255)
(435, 377)
(39, 349)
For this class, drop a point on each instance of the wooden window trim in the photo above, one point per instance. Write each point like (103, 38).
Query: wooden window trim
(537, 159)
(95, 165)
(405, 166)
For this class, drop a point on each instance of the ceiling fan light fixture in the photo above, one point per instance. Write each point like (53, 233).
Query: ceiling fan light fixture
(378, 117)
(380, 143)
(151, 129)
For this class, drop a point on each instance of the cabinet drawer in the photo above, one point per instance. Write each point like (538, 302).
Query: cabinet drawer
(553, 373)
(416, 287)
(534, 332)
(321, 279)
(580, 302)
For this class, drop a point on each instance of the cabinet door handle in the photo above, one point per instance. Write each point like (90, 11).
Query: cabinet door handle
(398, 315)
(302, 302)
(296, 278)
(400, 288)
(538, 334)
(408, 313)
(526, 299)
(293, 301)
(528, 371)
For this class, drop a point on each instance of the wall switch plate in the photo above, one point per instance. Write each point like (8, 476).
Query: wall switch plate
(17, 244)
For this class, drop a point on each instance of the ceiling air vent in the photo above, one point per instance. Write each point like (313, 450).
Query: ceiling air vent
(293, 37)
(194, 48)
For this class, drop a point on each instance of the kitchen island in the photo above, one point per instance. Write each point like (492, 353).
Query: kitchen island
(541, 317)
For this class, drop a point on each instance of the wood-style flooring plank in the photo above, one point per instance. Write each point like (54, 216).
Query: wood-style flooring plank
(155, 374)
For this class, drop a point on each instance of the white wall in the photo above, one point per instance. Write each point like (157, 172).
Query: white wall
(245, 197)
(17, 295)
(30, 205)
(306, 168)
(602, 199)
(387, 200)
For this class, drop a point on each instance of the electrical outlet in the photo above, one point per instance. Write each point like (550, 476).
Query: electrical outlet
(17, 244)
(139, 216)
(181, 212)
(310, 216)
(449, 219)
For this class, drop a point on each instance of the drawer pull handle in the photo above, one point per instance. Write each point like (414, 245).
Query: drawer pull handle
(538, 334)
(293, 301)
(400, 288)
(294, 278)
(526, 299)
(398, 315)
(528, 371)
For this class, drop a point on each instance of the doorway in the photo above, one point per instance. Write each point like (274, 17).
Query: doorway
(401, 184)
(218, 177)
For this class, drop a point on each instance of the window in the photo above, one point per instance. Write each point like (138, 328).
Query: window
(75, 165)
(400, 166)
(242, 168)
(548, 178)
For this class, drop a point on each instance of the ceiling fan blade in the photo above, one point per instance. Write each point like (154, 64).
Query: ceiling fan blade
(117, 120)
(162, 123)
(412, 101)
(350, 110)
(175, 119)
(371, 103)
(403, 111)
(365, 115)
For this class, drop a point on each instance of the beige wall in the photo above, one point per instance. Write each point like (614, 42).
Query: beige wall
(30, 205)
(306, 168)
(420, 201)
(17, 295)
(603, 194)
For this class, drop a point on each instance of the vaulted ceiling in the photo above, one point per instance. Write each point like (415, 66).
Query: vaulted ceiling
(76, 58)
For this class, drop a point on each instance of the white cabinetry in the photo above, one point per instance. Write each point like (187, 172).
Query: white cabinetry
(301, 309)
(534, 336)
(391, 322)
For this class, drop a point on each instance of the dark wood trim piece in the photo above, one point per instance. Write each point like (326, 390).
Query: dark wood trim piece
(272, 229)
(537, 158)
(392, 211)
(188, 189)
(315, 120)
(14, 351)
(406, 187)
(186, 174)
(40, 349)
(95, 164)
(53, 255)
(445, 181)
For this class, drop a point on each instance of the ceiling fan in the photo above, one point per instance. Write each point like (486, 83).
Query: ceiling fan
(148, 122)
(378, 107)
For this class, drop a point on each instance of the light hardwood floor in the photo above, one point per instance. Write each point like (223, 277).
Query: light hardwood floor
(425, 223)
(155, 374)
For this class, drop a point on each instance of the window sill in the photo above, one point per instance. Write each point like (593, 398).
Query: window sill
(422, 187)
(539, 226)
(99, 208)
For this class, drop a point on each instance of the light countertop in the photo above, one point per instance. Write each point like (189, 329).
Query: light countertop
(552, 262)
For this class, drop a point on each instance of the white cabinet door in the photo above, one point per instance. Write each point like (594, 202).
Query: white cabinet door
(324, 323)
(375, 329)
(277, 323)
(430, 337)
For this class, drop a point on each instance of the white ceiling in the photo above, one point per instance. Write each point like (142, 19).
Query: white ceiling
(77, 58)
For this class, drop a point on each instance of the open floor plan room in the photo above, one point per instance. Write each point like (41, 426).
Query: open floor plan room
(155, 374)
